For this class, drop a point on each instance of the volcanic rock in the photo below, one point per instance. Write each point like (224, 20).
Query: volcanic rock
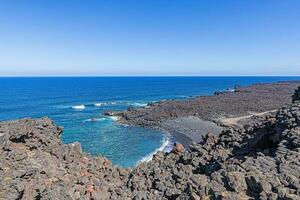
(259, 161)
(296, 96)
(178, 148)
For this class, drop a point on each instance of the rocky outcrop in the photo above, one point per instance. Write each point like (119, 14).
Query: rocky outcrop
(254, 98)
(36, 165)
(258, 161)
(296, 95)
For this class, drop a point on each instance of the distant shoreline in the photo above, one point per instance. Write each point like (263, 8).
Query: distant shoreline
(187, 120)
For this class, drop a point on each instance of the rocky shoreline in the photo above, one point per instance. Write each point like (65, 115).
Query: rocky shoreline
(260, 160)
(173, 116)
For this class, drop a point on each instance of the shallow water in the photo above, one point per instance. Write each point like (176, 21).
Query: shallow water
(78, 103)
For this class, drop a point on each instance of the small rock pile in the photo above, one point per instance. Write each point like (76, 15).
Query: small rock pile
(258, 161)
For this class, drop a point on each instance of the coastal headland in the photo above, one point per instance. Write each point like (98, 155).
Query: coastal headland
(188, 120)
(257, 159)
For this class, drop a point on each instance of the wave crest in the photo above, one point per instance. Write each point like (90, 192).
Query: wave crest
(139, 104)
(149, 157)
(114, 118)
(100, 104)
(79, 107)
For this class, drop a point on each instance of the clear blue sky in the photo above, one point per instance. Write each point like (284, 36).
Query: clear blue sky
(150, 37)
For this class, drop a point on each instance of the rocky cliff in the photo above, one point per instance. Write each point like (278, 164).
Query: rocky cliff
(258, 161)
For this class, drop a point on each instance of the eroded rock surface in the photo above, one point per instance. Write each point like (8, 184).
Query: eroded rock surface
(258, 161)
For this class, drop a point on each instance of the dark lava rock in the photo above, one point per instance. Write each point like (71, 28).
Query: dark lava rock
(110, 113)
(260, 161)
(178, 148)
(296, 96)
(130, 108)
(254, 98)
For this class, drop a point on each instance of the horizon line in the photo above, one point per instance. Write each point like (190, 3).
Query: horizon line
(144, 75)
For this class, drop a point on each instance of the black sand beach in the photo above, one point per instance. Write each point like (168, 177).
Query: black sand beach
(259, 160)
(188, 129)
(190, 119)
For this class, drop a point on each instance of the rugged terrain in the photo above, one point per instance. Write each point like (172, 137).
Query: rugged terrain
(257, 161)
(255, 98)
(188, 120)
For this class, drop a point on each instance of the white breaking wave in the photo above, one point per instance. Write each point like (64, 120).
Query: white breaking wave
(95, 119)
(140, 104)
(137, 104)
(114, 118)
(104, 103)
(150, 156)
(99, 104)
(79, 107)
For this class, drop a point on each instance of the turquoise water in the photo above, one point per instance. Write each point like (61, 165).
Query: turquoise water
(73, 102)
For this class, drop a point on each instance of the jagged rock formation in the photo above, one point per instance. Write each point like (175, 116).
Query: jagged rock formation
(36, 165)
(259, 161)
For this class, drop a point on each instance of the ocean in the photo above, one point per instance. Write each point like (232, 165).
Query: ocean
(77, 104)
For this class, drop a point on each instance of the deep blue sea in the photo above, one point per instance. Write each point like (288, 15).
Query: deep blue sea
(73, 101)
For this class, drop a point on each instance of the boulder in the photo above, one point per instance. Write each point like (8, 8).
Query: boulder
(178, 148)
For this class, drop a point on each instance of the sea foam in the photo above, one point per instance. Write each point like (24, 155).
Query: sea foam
(79, 107)
(95, 119)
(114, 118)
(139, 104)
(105, 103)
(99, 104)
(149, 157)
